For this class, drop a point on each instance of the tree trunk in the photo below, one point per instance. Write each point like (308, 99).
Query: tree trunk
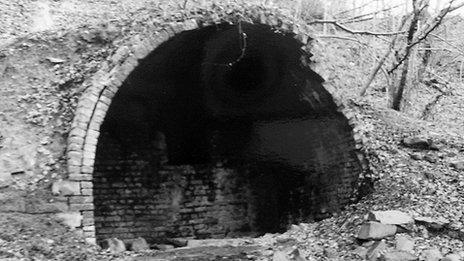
(398, 94)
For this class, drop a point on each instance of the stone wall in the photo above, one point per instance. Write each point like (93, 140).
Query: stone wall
(96, 99)
(135, 196)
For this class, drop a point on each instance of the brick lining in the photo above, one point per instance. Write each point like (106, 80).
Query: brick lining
(94, 103)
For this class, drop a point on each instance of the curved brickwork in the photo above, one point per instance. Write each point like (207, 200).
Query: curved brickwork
(95, 101)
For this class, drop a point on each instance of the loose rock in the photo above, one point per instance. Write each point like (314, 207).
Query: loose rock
(458, 165)
(392, 217)
(114, 245)
(280, 256)
(376, 230)
(404, 243)
(163, 247)
(431, 255)
(139, 244)
(375, 251)
(432, 223)
(417, 142)
(399, 256)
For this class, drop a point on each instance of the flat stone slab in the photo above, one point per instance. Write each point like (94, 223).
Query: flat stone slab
(399, 256)
(392, 217)
(375, 230)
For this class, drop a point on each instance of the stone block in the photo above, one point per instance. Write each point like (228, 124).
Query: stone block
(80, 199)
(88, 234)
(87, 191)
(120, 54)
(139, 244)
(71, 219)
(89, 160)
(89, 228)
(190, 24)
(114, 245)
(73, 169)
(66, 187)
(392, 217)
(404, 243)
(91, 240)
(87, 170)
(376, 230)
(86, 184)
(79, 207)
(74, 147)
(399, 256)
(80, 177)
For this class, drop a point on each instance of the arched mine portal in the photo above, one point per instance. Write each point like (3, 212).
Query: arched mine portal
(221, 131)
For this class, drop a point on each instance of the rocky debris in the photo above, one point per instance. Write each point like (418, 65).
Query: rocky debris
(404, 242)
(139, 244)
(419, 143)
(431, 255)
(390, 217)
(375, 230)
(458, 165)
(114, 245)
(399, 256)
(432, 223)
(376, 250)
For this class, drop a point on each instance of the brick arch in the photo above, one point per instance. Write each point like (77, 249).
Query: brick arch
(96, 99)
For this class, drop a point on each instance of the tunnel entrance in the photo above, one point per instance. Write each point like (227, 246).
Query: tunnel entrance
(221, 131)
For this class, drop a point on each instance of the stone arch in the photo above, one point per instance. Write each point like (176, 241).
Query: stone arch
(96, 100)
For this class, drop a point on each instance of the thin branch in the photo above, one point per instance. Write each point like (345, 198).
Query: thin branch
(354, 9)
(358, 20)
(429, 28)
(458, 49)
(352, 31)
(367, 14)
(382, 60)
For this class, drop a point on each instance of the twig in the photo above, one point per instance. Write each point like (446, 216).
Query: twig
(346, 29)
(358, 20)
(387, 78)
(381, 61)
(371, 13)
(353, 9)
(428, 30)
(448, 43)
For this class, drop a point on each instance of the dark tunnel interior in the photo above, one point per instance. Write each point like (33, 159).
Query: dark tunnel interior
(219, 132)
